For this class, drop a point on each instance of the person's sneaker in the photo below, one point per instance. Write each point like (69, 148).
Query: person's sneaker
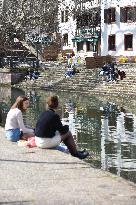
(81, 155)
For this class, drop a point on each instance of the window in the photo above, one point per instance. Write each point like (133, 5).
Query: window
(74, 45)
(109, 15)
(62, 16)
(89, 46)
(66, 15)
(111, 43)
(79, 46)
(129, 123)
(127, 14)
(128, 41)
(65, 39)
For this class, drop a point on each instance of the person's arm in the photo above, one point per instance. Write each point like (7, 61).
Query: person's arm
(63, 129)
(21, 124)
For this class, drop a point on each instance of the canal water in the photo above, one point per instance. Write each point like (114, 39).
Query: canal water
(105, 128)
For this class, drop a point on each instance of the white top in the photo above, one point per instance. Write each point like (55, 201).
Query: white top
(15, 120)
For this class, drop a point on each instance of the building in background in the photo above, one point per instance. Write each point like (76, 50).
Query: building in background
(79, 25)
(67, 23)
(118, 28)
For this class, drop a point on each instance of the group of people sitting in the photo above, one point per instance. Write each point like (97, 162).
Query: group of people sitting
(111, 73)
(32, 75)
(73, 61)
(49, 131)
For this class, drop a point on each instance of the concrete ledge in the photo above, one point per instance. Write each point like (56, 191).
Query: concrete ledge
(49, 177)
(10, 78)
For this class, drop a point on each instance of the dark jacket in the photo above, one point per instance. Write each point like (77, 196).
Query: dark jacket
(48, 123)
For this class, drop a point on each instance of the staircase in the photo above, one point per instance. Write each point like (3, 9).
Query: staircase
(48, 79)
(83, 82)
(31, 49)
(125, 87)
(87, 81)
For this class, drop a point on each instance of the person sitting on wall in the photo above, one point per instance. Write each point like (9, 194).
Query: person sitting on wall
(29, 75)
(122, 74)
(32, 75)
(69, 72)
(50, 132)
(116, 75)
(14, 127)
(104, 69)
(74, 70)
(108, 70)
(35, 75)
(68, 59)
(110, 75)
(111, 67)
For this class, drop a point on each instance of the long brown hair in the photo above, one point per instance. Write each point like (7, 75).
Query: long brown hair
(19, 103)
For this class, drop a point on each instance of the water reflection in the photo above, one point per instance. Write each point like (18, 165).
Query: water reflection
(104, 128)
(0, 115)
(120, 137)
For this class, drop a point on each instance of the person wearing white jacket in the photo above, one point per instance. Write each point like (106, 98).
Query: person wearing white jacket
(14, 127)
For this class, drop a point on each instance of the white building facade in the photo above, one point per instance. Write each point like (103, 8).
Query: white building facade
(67, 23)
(75, 26)
(118, 28)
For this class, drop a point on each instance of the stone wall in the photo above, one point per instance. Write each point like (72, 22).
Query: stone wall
(51, 52)
(5, 92)
(5, 78)
(9, 78)
(97, 61)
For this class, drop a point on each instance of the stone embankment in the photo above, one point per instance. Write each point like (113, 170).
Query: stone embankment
(34, 176)
(87, 81)
(10, 78)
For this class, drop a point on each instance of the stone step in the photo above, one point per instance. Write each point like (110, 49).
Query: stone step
(111, 90)
(88, 87)
(117, 86)
(86, 81)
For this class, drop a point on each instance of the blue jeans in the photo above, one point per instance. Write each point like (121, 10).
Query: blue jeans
(13, 134)
(62, 148)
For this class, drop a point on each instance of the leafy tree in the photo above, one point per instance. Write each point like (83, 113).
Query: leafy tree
(22, 16)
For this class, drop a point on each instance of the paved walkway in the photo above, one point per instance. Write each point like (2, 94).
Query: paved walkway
(31, 176)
